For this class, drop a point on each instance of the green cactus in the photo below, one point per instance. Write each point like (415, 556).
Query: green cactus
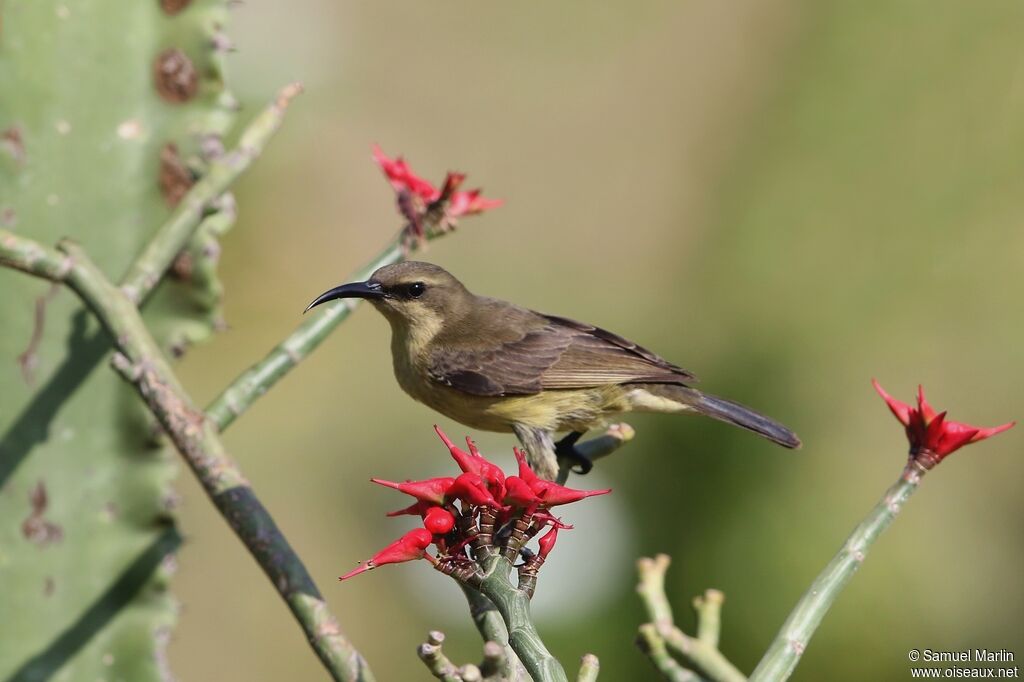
(107, 114)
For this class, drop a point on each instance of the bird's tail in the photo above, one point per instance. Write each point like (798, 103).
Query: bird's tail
(726, 411)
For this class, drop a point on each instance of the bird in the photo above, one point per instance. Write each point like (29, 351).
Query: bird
(496, 366)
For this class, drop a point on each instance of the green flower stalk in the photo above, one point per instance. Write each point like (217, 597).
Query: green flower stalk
(932, 438)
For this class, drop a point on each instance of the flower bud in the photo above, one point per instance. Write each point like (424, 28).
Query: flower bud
(475, 463)
(547, 542)
(518, 493)
(417, 508)
(552, 494)
(470, 488)
(438, 520)
(409, 547)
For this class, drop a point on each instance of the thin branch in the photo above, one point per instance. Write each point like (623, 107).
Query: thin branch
(700, 651)
(434, 658)
(709, 616)
(489, 574)
(785, 651)
(441, 667)
(149, 266)
(589, 668)
(140, 361)
(653, 646)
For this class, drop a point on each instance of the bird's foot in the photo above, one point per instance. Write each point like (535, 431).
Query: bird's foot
(566, 449)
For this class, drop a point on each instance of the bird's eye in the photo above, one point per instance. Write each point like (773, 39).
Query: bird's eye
(416, 289)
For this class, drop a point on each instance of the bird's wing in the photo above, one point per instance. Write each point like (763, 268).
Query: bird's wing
(555, 353)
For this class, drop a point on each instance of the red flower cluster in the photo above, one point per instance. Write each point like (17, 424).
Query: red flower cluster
(489, 503)
(418, 199)
(933, 437)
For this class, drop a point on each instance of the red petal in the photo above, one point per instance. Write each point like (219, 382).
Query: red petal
(552, 494)
(470, 203)
(982, 434)
(474, 462)
(431, 490)
(549, 518)
(934, 431)
(525, 472)
(952, 441)
(518, 493)
(451, 183)
(923, 407)
(900, 409)
(401, 176)
(547, 542)
(465, 460)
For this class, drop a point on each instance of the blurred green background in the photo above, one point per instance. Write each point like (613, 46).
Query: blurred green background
(787, 198)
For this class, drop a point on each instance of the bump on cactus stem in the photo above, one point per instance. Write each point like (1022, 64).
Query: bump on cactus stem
(112, 106)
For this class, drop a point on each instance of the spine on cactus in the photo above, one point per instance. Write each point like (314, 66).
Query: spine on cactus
(109, 112)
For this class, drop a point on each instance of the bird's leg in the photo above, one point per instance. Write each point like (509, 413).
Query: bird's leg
(540, 450)
(566, 449)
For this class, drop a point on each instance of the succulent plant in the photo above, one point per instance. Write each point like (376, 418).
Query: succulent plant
(108, 114)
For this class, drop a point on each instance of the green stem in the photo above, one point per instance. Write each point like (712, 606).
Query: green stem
(653, 646)
(514, 607)
(700, 651)
(140, 361)
(149, 266)
(709, 616)
(791, 641)
(492, 628)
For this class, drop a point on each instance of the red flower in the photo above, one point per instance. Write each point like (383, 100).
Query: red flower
(474, 463)
(409, 547)
(408, 185)
(932, 437)
(470, 488)
(431, 490)
(482, 488)
(438, 520)
(402, 178)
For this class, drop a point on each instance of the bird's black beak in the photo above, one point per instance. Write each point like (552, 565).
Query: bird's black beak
(353, 290)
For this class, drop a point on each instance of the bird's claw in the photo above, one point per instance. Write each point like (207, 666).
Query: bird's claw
(566, 449)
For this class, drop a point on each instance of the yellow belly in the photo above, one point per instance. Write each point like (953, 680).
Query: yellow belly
(561, 410)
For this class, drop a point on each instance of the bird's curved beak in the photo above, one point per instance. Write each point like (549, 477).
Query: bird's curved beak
(366, 289)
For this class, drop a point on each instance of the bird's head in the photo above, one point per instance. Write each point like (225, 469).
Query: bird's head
(409, 294)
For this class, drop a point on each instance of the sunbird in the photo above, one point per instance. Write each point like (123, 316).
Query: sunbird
(496, 366)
